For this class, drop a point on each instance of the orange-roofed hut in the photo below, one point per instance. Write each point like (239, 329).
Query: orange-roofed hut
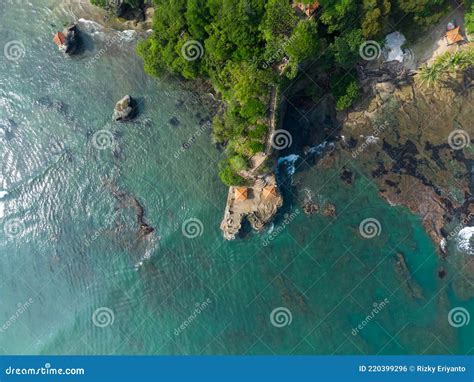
(454, 36)
(270, 192)
(307, 9)
(241, 193)
(59, 39)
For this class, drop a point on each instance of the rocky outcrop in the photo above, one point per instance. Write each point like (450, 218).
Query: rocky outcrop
(67, 40)
(72, 37)
(329, 210)
(403, 138)
(125, 109)
(406, 279)
(259, 207)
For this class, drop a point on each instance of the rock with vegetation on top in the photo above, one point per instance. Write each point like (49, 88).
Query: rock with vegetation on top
(124, 109)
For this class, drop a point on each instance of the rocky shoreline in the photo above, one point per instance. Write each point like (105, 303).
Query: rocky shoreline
(99, 15)
(402, 139)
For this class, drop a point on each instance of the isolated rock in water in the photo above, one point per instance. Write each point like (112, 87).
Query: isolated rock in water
(310, 208)
(174, 122)
(67, 40)
(329, 210)
(124, 109)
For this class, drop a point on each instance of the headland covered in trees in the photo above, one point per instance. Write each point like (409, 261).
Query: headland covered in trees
(246, 47)
(257, 54)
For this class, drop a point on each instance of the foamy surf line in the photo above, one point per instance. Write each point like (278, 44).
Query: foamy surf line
(464, 240)
(94, 28)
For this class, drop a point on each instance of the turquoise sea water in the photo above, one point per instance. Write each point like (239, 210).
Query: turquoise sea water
(79, 279)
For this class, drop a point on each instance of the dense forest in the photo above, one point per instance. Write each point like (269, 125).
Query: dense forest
(246, 48)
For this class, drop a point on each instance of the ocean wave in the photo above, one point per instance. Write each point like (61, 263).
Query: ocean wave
(91, 26)
(127, 35)
(289, 163)
(464, 240)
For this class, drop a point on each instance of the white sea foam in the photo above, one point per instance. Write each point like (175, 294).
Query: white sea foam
(464, 239)
(393, 46)
(128, 35)
(91, 26)
(289, 161)
(3, 193)
(372, 139)
(319, 149)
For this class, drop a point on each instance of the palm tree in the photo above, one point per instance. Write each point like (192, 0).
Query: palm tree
(429, 75)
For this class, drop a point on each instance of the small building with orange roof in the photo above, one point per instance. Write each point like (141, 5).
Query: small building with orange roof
(454, 36)
(59, 39)
(241, 194)
(307, 9)
(270, 192)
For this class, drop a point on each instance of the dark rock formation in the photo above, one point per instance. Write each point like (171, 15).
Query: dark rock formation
(72, 37)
